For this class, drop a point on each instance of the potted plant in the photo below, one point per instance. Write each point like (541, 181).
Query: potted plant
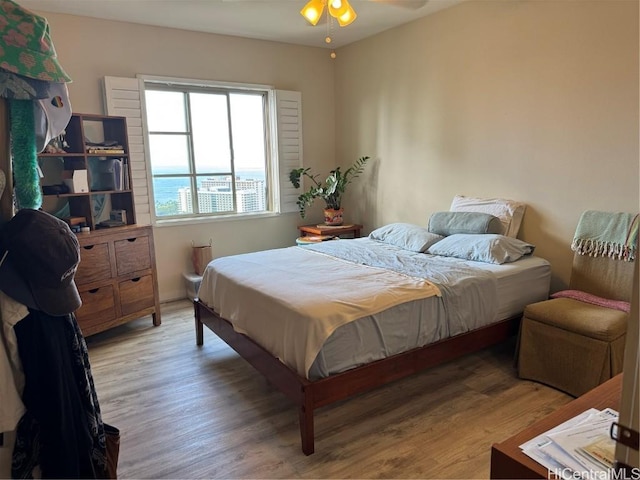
(331, 190)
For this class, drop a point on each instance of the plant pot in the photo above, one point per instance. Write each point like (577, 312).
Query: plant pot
(333, 217)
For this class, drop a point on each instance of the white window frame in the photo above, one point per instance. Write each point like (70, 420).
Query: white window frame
(125, 97)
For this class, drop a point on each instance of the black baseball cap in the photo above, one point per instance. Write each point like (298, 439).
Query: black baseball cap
(39, 256)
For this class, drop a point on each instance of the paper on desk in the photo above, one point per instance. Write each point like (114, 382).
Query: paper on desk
(557, 449)
(542, 450)
(602, 451)
(543, 438)
(567, 463)
(574, 439)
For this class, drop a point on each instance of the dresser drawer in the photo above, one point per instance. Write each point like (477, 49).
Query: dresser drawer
(136, 294)
(132, 254)
(94, 264)
(98, 306)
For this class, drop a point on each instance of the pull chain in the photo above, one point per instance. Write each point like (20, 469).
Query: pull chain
(329, 32)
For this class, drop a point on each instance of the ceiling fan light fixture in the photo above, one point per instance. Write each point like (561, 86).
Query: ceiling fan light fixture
(312, 11)
(348, 16)
(337, 8)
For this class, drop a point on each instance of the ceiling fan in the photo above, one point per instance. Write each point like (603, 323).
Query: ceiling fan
(343, 12)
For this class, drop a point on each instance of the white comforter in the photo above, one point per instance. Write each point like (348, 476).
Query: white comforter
(291, 300)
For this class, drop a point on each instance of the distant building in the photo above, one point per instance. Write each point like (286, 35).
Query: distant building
(216, 195)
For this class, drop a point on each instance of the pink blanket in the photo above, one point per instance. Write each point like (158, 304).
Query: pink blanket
(593, 299)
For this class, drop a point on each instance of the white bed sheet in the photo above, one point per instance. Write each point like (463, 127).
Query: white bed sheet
(417, 324)
(473, 294)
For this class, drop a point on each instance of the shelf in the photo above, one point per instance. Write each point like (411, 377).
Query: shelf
(117, 277)
(63, 195)
(102, 171)
(84, 194)
(58, 155)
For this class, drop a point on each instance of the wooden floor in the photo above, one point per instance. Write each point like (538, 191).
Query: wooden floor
(203, 412)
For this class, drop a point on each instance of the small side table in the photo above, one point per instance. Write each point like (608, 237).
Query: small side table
(347, 229)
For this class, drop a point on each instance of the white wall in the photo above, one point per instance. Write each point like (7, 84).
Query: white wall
(90, 49)
(529, 100)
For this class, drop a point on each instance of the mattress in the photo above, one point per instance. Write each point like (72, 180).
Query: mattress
(397, 330)
(327, 308)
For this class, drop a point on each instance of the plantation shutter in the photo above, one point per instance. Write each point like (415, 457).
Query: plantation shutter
(123, 98)
(289, 126)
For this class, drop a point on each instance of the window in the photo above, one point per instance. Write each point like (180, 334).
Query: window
(209, 148)
(125, 97)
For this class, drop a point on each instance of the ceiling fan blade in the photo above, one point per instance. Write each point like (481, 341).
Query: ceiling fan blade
(411, 4)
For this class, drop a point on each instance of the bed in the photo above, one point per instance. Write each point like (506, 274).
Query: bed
(327, 321)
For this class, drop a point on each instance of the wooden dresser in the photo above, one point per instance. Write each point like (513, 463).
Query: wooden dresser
(116, 278)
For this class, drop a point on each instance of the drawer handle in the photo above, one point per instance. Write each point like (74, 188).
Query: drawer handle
(137, 279)
(131, 239)
(93, 290)
(88, 247)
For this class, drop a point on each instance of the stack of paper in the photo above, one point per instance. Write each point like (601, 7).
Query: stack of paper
(579, 447)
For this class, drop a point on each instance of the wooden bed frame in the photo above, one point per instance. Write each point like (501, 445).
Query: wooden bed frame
(309, 395)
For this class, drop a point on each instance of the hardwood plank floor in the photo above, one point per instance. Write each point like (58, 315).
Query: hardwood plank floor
(203, 412)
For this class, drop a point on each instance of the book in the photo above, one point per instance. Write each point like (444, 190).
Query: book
(311, 239)
(73, 221)
(110, 224)
(117, 174)
(106, 151)
(317, 238)
(126, 182)
(323, 226)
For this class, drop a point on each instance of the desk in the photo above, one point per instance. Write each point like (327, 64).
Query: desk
(350, 229)
(508, 461)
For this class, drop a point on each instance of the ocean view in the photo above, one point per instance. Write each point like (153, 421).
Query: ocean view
(166, 189)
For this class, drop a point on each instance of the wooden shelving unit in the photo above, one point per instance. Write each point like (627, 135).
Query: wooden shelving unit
(117, 277)
(106, 190)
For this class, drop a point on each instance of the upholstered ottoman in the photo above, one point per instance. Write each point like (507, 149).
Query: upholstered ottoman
(571, 345)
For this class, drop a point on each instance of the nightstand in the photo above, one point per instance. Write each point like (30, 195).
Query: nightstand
(347, 229)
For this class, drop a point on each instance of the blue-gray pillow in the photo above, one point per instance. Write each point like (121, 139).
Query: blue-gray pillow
(488, 248)
(450, 223)
(405, 235)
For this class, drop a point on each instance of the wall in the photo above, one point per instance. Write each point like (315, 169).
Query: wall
(90, 49)
(535, 101)
(529, 100)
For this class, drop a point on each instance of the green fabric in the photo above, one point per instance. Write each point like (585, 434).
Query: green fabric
(23, 152)
(450, 223)
(606, 234)
(26, 47)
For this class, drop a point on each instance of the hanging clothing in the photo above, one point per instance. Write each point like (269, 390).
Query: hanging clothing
(11, 376)
(62, 430)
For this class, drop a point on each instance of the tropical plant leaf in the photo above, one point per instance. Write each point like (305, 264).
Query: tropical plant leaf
(331, 190)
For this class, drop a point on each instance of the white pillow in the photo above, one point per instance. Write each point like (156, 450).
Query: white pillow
(406, 236)
(509, 212)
